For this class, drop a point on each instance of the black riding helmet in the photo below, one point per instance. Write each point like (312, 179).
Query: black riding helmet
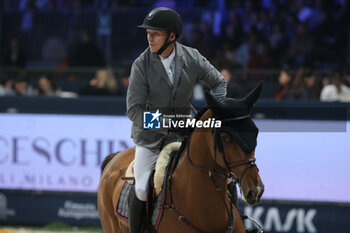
(163, 18)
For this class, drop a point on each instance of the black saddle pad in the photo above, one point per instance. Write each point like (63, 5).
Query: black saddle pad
(122, 207)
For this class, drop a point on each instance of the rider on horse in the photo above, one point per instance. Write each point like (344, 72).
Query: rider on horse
(162, 77)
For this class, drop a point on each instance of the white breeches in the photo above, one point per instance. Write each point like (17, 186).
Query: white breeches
(145, 162)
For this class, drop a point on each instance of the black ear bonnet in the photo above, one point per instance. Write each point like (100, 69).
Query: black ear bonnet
(235, 117)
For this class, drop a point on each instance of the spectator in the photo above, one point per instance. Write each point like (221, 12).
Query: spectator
(46, 87)
(86, 53)
(6, 85)
(124, 81)
(225, 56)
(337, 91)
(164, 3)
(203, 46)
(245, 49)
(54, 48)
(236, 86)
(27, 22)
(284, 81)
(347, 46)
(7, 4)
(43, 4)
(104, 84)
(232, 30)
(301, 46)
(278, 42)
(15, 56)
(347, 79)
(62, 5)
(255, 61)
(22, 88)
(305, 85)
(266, 57)
(294, 30)
(313, 85)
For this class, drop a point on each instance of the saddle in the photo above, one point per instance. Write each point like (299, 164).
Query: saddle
(168, 158)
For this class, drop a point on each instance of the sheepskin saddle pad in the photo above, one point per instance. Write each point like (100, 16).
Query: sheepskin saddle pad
(159, 182)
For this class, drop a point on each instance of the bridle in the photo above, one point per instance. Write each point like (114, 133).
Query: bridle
(214, 173)
(218, 145)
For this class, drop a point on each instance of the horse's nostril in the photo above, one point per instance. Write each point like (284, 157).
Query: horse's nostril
(250, 196)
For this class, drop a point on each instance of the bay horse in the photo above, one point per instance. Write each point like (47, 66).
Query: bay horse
(197, 199)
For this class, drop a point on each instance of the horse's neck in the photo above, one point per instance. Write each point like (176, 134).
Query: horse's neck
(193, 191)
(198, 155)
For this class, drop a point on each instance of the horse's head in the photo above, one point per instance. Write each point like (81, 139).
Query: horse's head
(236, 140)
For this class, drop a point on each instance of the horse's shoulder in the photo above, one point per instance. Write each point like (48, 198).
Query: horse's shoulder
(125, 157)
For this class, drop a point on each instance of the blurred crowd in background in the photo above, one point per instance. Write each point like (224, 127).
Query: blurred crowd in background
(305, 44)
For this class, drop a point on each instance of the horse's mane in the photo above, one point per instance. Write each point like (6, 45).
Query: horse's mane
(198, 116)
(201, 112)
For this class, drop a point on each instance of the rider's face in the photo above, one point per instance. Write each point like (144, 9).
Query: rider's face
(156, 39)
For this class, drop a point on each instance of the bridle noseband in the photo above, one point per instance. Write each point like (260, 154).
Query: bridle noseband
(218, 144)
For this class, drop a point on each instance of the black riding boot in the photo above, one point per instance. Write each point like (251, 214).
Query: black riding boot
(137, 213)
(232, 191)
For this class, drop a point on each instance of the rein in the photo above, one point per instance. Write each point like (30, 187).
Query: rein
(214, 173)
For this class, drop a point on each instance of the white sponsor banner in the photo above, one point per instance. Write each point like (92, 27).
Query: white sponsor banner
(304, 160)
(64, 153)
(58, 152)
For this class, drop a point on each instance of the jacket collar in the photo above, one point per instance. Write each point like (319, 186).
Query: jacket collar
(179, 63)
(157, 65)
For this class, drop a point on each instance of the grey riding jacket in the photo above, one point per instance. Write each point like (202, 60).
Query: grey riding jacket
(150, 89)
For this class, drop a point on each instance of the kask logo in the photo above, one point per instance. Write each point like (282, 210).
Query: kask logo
(151, 120)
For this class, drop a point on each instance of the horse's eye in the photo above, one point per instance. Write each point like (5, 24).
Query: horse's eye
(226, 139)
